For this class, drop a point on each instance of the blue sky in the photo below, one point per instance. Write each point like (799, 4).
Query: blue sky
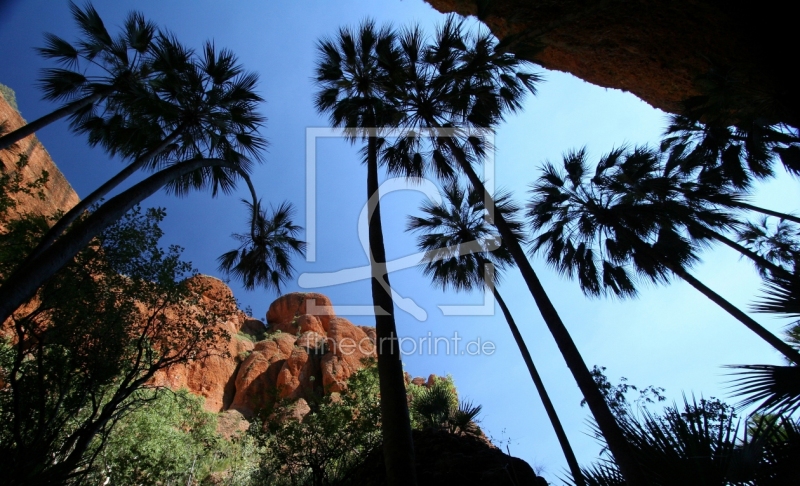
(670, 336)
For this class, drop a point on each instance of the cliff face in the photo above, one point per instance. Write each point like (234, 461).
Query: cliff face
(57, 193)
(663, 52)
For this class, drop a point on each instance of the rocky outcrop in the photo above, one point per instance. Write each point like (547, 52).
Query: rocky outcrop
(56, 195)
(297, 355)
(663, 52)
(308, 352)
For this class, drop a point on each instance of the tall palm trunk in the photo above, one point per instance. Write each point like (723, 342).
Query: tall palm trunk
(777, 343)
(22, 284)
(755, 257)
(574, 468)
(63, 223)
(731, 309)
(398, 446)
(606, 422)
(768, 212)
(10, 139)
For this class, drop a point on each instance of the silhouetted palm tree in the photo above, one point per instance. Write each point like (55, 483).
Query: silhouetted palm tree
(95, 70)
(722, 161)
(703, 443)
(206, 103)
(464, 252)
(352, 71)
(264, 258)
(589, 228)
(454, 89)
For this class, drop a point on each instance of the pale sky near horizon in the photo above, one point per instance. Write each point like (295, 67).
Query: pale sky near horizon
(670, 336)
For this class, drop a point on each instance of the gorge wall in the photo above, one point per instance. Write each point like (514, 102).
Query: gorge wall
(57, 193)
(663, 52)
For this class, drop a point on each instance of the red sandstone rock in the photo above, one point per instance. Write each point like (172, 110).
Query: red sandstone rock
(287, 308)
(311, 341)
(58, 193)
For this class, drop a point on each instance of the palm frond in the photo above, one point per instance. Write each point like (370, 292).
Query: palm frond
(777, 388)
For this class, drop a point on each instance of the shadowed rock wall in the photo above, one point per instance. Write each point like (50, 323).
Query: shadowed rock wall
(663, 52)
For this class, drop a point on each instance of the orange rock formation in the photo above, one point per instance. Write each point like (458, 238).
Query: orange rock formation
(57, 192)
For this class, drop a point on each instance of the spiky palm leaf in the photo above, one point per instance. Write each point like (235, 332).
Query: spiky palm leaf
(775, 389)
(702, 444)
(264, 257)
(458, 241)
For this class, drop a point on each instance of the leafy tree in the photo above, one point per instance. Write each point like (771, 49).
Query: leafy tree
(350, 73)
(591, 227)
(328, 443)
(170, 439)
(78, 356)
(461, 251)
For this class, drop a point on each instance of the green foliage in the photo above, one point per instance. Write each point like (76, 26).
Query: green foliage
(700, 442)
(11, 185)
(93, 337)
(438, 407)
(169, 440)
(9, 95)
(339, 432)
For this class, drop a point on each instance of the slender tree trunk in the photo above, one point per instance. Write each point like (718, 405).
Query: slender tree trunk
(23, 283)
(398, 446)
(606, 422)
(10, 139)
(574, 467)
(768, 212)
(755, 257)
(777, 343)
(83, 205)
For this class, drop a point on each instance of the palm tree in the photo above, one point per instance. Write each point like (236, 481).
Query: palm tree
(264, 257)
(702, 443)
(207, 104)
(350, 73)
(590, 229)
(121, 65)
(461, 251)
(641, 175)
(453, 89)
(724, 160)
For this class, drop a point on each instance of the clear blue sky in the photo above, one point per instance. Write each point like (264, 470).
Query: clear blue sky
(670, 336)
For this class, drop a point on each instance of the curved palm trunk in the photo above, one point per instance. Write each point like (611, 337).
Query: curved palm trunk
(398, 446)
(606, 422)
(768, 212)
(572, 462)
(22, 284)
(63, 223)
(755, 257)
(777, 343)
(10, 139)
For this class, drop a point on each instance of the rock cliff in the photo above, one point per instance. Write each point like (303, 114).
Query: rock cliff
(57, 193)
(663, 52)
